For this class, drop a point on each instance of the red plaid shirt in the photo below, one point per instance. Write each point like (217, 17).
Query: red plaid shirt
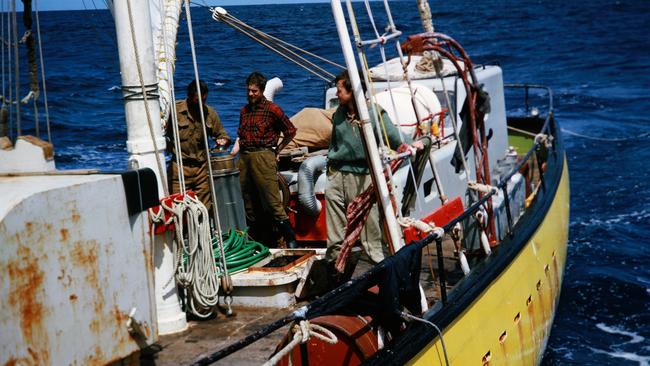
(261, 125)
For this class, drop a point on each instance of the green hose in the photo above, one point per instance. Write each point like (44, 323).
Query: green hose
(240, 252)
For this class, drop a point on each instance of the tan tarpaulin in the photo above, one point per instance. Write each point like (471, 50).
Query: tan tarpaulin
(314, 128)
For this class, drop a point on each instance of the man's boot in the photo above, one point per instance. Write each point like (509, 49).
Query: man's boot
(287, 233)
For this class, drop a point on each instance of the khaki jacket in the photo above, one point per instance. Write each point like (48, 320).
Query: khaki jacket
(191, 133)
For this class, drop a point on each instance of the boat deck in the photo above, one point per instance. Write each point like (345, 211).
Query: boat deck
(207, 336)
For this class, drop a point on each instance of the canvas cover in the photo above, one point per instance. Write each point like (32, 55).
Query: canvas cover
(314, 129)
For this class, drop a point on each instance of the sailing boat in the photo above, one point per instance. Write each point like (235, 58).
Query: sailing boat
(89, 288)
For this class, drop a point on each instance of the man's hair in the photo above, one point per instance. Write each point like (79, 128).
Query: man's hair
(256, 78)
(191, 88)
(345, 77)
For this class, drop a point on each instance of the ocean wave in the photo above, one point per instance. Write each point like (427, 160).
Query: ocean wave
(621, 219)
(635, 338)
(630, 356)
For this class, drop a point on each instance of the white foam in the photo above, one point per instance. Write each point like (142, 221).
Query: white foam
(642, 360)
(622, 219)
(613, 330)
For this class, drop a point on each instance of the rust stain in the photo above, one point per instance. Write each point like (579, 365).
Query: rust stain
(26, 281)
(557, 273)
(504, 351)
(84, 256)
(64, 234)
(73, 298)
(120, 319)
(533, 322)
(75, 216)
(522, 342)
(95, 326)
(97, 358)
(29, 228)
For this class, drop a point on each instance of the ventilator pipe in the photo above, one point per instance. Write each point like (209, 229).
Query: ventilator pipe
(272, 86)
(306, 181)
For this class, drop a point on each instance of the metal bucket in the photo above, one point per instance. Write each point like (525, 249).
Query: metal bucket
(230, 203)
(222, 162)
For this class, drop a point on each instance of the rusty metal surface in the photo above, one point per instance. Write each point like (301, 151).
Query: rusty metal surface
(74, 268)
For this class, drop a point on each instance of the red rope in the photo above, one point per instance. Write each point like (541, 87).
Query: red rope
(357, 213)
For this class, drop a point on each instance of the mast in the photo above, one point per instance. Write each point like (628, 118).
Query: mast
(145, 142)
(425, 15)
(376, 168)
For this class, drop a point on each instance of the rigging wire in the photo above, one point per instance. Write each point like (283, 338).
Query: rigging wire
(392, 98)
(9, 74)
(205, 142)
(19, 131)
(276, 45)
(40, 52)
(3, 112)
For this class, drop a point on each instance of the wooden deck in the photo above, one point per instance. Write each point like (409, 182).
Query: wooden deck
(207, 336)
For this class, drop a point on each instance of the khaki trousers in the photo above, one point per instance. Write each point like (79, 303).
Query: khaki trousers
(341, 189)
(258, 176)
(196, 179)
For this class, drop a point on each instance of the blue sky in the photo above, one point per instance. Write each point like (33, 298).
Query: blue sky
(99, 4)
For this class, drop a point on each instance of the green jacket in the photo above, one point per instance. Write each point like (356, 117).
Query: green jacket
(346, 151)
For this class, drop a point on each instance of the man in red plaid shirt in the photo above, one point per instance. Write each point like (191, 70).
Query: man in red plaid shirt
(260, 125)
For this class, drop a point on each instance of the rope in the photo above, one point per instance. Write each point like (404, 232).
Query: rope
(301, 334)
(200, 271)
(161, 172)
(205, 142)
(356, 215)
(194, 265)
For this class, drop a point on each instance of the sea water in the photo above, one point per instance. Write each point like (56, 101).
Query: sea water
(595, 55)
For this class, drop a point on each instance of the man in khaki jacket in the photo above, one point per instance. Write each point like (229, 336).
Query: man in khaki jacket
(193, 150)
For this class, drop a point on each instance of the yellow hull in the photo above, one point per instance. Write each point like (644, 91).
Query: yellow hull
(509, 323)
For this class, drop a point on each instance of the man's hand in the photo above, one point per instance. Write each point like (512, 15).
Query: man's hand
(235, 148)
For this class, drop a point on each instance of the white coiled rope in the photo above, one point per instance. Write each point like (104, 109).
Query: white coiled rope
(197, 273)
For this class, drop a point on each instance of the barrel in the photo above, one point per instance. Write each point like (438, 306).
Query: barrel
(230, 204)
(357, 342)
